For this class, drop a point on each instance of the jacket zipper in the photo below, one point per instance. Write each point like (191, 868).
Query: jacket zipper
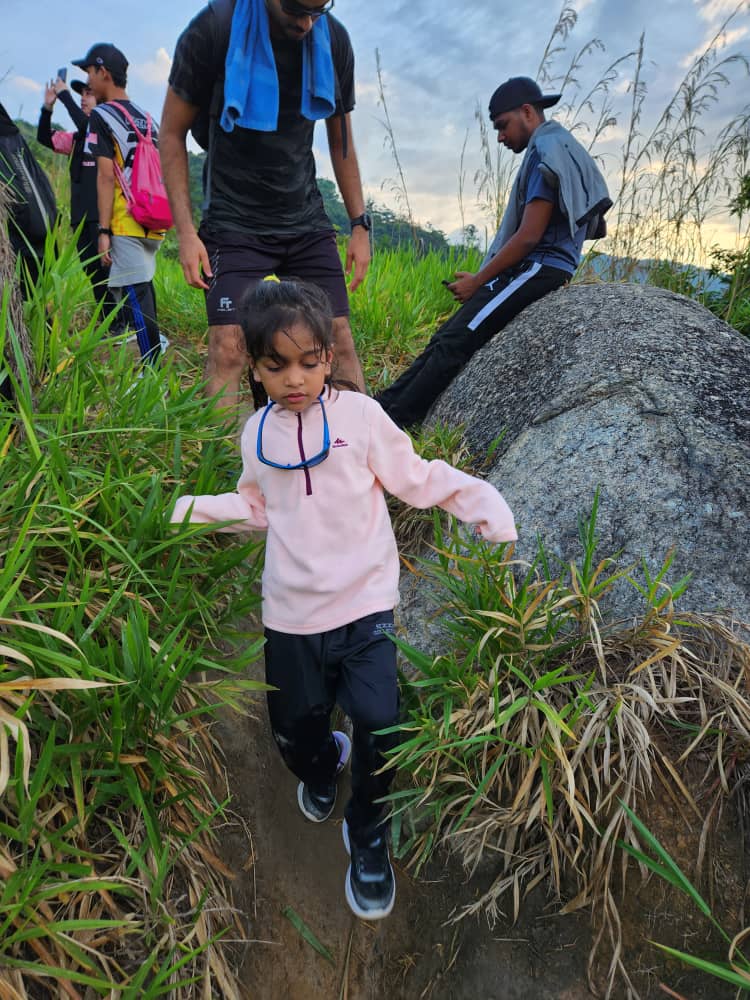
(308, 481)
(35, 191)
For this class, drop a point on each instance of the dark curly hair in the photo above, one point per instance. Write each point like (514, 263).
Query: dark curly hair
(272, 307)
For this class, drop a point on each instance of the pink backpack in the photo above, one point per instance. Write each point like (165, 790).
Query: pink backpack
(145, 194)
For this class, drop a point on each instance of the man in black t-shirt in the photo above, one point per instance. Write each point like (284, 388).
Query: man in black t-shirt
(262, 210)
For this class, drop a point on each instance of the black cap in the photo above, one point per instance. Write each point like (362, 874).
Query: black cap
(104, 54)
(517, 91)
(79, 86)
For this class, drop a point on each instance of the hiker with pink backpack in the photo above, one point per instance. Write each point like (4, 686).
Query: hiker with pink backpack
(133, 209)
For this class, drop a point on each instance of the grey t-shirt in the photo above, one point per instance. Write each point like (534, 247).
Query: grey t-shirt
(133, 260)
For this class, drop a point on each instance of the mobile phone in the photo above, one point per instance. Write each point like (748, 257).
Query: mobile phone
(446, 282)
(63, 73)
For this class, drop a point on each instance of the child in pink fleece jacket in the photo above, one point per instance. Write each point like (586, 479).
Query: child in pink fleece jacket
(316, 463)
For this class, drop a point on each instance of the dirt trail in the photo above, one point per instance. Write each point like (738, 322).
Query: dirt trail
(282, 860)
(412, 954)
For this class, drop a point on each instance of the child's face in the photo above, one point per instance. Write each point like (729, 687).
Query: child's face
(294, 377)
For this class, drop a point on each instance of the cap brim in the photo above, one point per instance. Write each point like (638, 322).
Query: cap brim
(78, 85)
(546, 101)
(80, 63)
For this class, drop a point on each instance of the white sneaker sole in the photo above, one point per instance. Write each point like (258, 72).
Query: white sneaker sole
(308, 815)
(345, 750)
(163, 341)
(349, 893)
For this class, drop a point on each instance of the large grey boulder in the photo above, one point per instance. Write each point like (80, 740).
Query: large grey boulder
(640, 392)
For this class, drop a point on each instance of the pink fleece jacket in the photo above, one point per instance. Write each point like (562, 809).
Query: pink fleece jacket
(331, 555)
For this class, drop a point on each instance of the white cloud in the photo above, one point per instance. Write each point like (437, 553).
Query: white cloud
(715, 10)
(727, 38)
(25, 83)
(154, 71)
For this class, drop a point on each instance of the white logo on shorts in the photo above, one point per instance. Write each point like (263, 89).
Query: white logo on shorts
(225, 305)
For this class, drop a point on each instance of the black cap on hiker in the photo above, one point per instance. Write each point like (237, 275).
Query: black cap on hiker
(104, 54)
(79, 86)
(517, 91)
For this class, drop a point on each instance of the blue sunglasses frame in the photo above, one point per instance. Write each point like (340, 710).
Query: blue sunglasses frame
(308, 463)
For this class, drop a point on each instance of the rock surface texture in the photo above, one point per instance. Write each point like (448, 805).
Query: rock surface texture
(636, 390)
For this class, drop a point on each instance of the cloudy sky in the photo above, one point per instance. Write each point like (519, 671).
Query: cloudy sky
(439, 61)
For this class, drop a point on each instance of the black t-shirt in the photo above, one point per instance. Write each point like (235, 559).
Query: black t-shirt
(260, 183)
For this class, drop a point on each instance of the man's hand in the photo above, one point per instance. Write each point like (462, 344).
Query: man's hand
(464, 286)
(59, 85)
(194, 260)
(50, 95)
(105, 248)
(358, 255)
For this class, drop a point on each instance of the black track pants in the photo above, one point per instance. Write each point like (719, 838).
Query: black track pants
(354, 665)
(409, 398)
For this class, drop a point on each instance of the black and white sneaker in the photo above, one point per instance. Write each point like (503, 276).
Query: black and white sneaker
(318, 805)
(370, 883)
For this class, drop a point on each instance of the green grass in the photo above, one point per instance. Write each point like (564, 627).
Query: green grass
(108, 806)
(545, 723)
(392, 315)
(657, 860)
(112, 669)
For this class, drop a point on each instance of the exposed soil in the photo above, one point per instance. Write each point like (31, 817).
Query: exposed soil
(284, 861)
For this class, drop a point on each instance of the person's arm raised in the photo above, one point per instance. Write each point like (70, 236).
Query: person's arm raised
(44, 128)
(177, 117)
(77, 115)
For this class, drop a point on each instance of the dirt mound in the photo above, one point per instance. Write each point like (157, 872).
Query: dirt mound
(290, 874)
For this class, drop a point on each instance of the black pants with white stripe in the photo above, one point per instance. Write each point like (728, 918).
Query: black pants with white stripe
(409, 398)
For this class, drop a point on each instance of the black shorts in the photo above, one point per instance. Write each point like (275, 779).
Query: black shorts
(238, 262)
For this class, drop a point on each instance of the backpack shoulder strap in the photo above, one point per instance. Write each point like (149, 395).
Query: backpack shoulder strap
(220, 22)
(223, 11)
(338, 97)
(126, 114)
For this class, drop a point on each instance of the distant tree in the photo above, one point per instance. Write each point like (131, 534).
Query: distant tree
(196, 162)
(733, 268)
(334, 206)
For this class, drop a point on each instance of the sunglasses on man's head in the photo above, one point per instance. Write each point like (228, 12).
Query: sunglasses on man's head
(298, 10)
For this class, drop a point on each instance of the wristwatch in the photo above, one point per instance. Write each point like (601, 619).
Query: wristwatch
(364, 220)
(104, 231)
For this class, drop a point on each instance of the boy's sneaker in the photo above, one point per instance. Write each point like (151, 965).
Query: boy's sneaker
(318, 805)
(163, 341)
(370, 883)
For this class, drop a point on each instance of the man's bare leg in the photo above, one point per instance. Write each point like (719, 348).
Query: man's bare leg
(345, 354)
(226, 362)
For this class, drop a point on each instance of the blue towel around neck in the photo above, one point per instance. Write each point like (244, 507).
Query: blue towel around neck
(251, 84)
